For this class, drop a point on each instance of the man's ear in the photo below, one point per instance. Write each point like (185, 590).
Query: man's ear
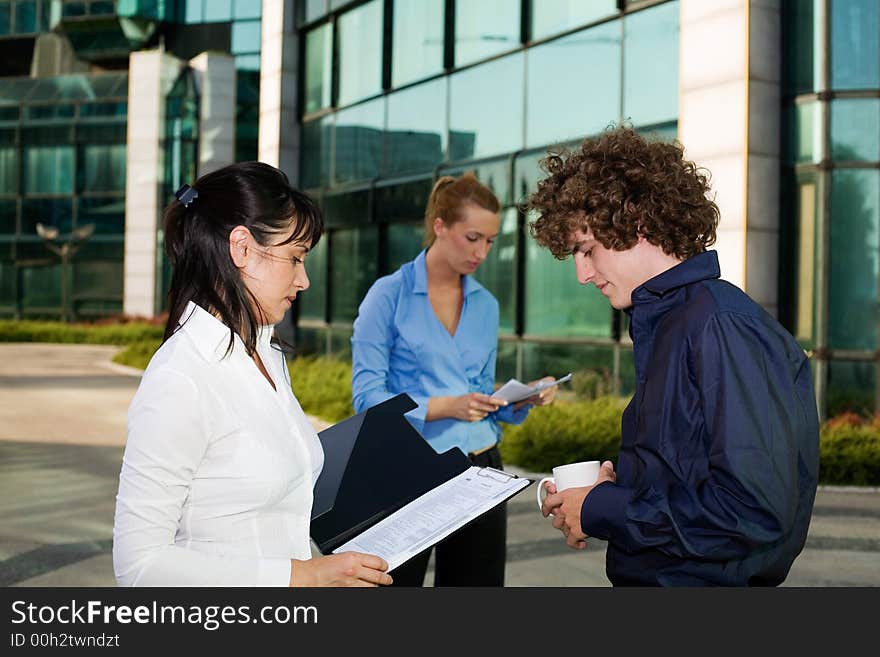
(239, 239)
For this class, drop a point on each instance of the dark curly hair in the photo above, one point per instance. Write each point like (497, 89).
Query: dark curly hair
(618, 186)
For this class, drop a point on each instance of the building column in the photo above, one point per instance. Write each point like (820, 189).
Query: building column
(215, 79)
(729, 123)
(150, 77)
(279, 138)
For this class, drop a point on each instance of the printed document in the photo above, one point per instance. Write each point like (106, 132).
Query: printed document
(435, 515)
(514, 391)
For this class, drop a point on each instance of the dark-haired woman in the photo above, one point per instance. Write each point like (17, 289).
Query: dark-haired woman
(217, 477)
(431, 330)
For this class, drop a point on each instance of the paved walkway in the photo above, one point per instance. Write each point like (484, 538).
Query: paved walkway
(62, 432)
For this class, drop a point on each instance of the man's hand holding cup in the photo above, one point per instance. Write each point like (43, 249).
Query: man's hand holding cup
(566, 491)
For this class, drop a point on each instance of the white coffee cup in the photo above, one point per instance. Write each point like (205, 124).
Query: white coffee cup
(571, 475)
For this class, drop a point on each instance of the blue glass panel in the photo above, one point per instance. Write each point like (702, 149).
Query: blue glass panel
(855, 44)
(247, 63)
(314, 9)
(5, 18)
(559, 110)
(319, 59)
(804, 132)
(102, 168)
(48, 170)
(8, 169)
(245, 37)
(497, 272)
(48, 211)
(358, 144)
(855, 129)
(417, 50)
(315, 163)
(360, 52)
(486, 109)
(554, 16)
(404, 243)
(650, 68)
(851, 388)
(416, 137)
(26, 16)
(218, 11)
(8, 212)
(855, 235)
(107, 214)
(313, 301)
(194, 12)
(247, 9)
(354, 252)
(495, 174)
(486, 28)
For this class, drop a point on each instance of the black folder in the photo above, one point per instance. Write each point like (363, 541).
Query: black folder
(375, 463)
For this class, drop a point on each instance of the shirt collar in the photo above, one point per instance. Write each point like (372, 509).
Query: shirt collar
(210, 335)
(420, 277)
(700, 267)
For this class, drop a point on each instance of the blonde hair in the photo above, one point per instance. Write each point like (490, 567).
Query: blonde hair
(450, 195)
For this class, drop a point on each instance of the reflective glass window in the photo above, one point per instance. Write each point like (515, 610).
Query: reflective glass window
(41, 288)
(48, 170)
(556, 304)
(360, 52)
(193, 12)
(247, 9)
(5, 18)
(245, 36)
(855, 44)
(485, 28)
(108, 214)
(594, 363)
(497, 272)
(806, 214)
(855, 129)
(554, 16)
(102, 168)
(56, 212)
(417, 50)
(404, 243)
(851, 387)
(8, 169)
(313, 301)
(358, 142)
(416, 135)
(804, 132)
(354, 252)
(218, 10)
(402, 201)
(319, 58)
(855, 221)
(8, 212)
(495, 174)
(486, 109)
(650, 91)
(26, 16)
(559, 109)
(315, 158)
(349, 207)
(314, 9)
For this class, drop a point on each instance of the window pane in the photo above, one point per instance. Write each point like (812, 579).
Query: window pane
(359, 141)
(194, 11)
(418, 40)
(855, 129)
(558, 359)
(247, 8)
(347, 208)
(554, 16)
(402, 201)
(485, 28)
(360, 52)
(404, 243)
(48, 170)
(218, 10)
(497, 272)
(804, 132)
(855, 215)
(26, 16)
(245, 37)
(799, 67)
(48, 211)
(806, 211)
(314, 9)
(8, 169)
(851, 387)
(5, 18)
(319, 57)
(486, 109)
(41, 288)
(313, 301)
(494, 174)
(102, 168)
(354, 270)
(416, 134)
(559, 110)
(108, 214)
(8, 210)
(315, 162)
(556, 304)
(650, 93)
(855, 44)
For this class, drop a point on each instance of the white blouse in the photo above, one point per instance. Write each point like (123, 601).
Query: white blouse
(217, 476)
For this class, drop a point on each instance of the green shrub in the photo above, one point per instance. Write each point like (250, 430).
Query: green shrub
(137, 354)
(849, 451)
(322, 386)
(104, 333)
(565, 433)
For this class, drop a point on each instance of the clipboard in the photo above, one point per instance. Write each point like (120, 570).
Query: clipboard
(377, 467)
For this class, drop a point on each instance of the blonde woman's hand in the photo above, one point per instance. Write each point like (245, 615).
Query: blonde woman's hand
(473, 406)
(543, 398)
(344, 569)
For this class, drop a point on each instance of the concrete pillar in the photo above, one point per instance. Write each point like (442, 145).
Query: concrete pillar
(279, 138)
(150, 77)
(729, 122)
(215, 79)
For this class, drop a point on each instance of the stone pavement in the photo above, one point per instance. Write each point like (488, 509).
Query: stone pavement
(62, 432)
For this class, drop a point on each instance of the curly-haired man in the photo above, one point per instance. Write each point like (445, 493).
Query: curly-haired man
(717, 469)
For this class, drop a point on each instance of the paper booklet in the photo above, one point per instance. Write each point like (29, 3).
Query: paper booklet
(514, 391)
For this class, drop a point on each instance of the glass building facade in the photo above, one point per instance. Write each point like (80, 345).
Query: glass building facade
(396, 94)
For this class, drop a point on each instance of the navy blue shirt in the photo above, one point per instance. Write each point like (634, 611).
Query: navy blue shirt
(719, 456)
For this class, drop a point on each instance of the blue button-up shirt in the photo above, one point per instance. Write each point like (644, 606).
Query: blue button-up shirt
(399, 345)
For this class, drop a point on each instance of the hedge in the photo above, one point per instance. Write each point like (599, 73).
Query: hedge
(102, 333)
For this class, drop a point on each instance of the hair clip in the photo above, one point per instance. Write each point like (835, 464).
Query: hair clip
(186, 195)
